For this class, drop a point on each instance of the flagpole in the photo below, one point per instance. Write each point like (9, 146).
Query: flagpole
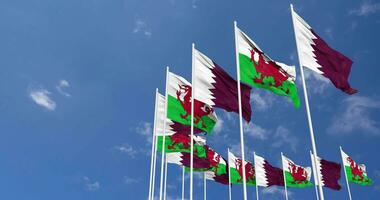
(314, 175)
(240, 113)
(229, 175)
(204, 186)
(166, 176)
(345, 174)
(164, 134)
(257, 187)
(154, 161)
(283, 173)
(183, 182)
(153, 146)
(307, 107)
(192, 122)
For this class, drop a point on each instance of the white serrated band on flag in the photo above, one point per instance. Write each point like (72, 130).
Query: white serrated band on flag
(160, 115)
(261, 178)
(318, 167)
(204, 78)
(304, 38)
(174, 158)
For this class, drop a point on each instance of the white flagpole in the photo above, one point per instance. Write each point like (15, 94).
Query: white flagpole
(345, 174)
(151, 185)
(166, 176)
(283, 172)
(229, 175)
(314, 148)
(314, 175)
(183, 182)
(257, 187)
(154, 163)
(163, 160)
(240, 112)
(204, 186)
(192, 122)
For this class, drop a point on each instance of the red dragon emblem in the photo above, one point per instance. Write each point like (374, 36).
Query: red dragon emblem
(200, 109)
(213, 159)
(179, 138)
(249, 170)
(357, 170)
(267, 68)
(298, 173)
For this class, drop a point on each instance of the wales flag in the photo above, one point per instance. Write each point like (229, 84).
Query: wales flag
(355, 173)
(258, 70)
(236, 170)
(296, 175)
(179, 105)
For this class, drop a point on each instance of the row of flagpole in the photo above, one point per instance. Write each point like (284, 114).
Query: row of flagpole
(163, 172)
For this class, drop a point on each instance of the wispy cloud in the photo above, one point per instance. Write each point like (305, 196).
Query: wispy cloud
(275, 191)
(141, 27)
(194, 4)
(91, 185)
(62, 85)
(127, 149)
(356, 116)
(255, 131)
(317, 84)
(366, 8)
(42, 98)
(283, 137)
(262, 100)
(130, 180)
(329, 32)
(218, 126)
(145, 129)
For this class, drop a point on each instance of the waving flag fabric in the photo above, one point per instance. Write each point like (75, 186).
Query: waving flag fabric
(356, 173)
(266, 174)
(179, 105)
(218, 89)
(318, 56)
(258, 70)
(328, 171)
(296, 175)
(236, 170)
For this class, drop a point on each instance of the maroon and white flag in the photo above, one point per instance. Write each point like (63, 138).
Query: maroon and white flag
(218, 89)
(266, 174)
(328, 171)
(318, 56)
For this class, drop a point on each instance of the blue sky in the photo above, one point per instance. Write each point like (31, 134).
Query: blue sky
(78, 78)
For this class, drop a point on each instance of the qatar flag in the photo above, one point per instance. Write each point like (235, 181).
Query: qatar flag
(315, 54)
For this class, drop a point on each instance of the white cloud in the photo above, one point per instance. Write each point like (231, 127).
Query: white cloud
(194, 4)
(261, 100)
(283, 137)
(145, 129)
(218, 126)
(91, 185)
(127, 149)
(316, 83)
(41, 97)
(329, 32)
(366, 8)
(275, 191)
(356, 116)
(129, 180)
(255, 131)
(62, 84)
(141, 27)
